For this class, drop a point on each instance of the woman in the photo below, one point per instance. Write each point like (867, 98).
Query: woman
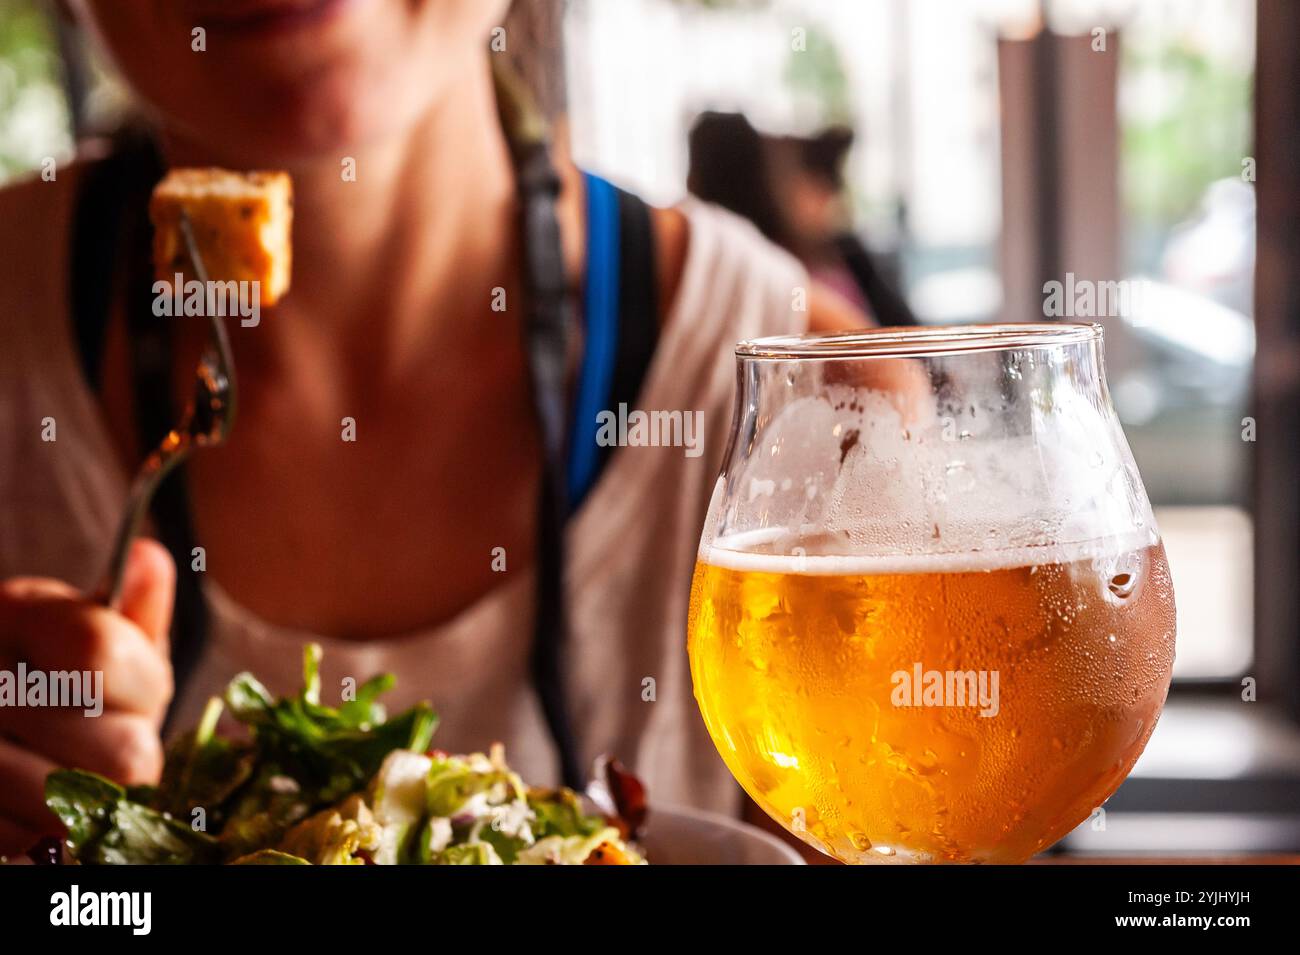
(792, 188)
(411, 548)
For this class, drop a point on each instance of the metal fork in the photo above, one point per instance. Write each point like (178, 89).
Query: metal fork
(206, 422)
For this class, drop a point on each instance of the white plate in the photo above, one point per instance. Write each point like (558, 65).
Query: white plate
(677, 835)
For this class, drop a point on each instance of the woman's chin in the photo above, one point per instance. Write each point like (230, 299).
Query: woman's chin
(289, 145)
(329, 114)
(263, 22)
(329, 45)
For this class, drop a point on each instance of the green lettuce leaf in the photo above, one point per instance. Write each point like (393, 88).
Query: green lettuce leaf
(475, 853)
(328, 752)
(270, 857)
(559, 813)
(105, 827)
(299, 758)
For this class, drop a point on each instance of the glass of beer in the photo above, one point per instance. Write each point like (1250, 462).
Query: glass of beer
(931, 619)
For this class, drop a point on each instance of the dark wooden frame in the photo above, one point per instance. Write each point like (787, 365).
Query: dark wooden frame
(1276, 483)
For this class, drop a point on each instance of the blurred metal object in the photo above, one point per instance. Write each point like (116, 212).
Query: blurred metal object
(206, 423)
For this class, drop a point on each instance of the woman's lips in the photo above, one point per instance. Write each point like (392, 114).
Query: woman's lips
(265, 16)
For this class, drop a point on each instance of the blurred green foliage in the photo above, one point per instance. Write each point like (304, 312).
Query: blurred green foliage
(817, 72)
(33, 112)
(1200, 132)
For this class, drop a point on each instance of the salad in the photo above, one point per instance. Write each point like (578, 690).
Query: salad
(318, 785)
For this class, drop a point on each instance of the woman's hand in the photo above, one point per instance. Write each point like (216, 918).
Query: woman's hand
(52, 627)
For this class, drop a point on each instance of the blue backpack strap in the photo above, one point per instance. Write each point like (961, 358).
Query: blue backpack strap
(638, 303)
(600, 337)
(621, 322)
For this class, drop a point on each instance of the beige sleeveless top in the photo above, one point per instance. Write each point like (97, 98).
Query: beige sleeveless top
(631, 545)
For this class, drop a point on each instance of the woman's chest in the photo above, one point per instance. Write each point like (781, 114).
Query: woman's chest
(369, 524)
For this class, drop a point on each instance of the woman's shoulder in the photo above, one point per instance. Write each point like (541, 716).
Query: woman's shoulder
(60, 505)
(717, 268)
(35, 215)
(39, 201)
(671, 240)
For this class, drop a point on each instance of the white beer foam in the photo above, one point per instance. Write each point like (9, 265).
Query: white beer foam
(745, 552)
(845, 465)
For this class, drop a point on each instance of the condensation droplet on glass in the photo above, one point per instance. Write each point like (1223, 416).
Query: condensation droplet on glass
(761, 488)
(959, 475)
(1122, 585)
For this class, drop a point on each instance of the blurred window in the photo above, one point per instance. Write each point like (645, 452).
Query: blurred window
(1185, 110)
(33, 111)
(918, 81)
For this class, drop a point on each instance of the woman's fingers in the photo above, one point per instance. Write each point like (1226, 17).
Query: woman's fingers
(22, 797)
(37, 588)
(91, 690)
(125, 748)
(15, 841)
(148, 590)
(118, 666)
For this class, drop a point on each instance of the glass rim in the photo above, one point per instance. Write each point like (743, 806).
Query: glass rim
(918, 341)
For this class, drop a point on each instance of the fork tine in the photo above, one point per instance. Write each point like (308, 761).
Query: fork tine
(214, 391)
(218, 338)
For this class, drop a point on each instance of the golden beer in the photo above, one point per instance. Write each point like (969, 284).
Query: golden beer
(968, 708)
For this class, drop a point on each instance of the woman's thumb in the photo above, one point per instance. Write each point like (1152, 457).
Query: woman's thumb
(149, 588)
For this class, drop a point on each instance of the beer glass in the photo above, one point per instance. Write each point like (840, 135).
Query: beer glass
(931, 618)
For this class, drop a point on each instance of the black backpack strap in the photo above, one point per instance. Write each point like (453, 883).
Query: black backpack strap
(108, 196)
(546, 335)
(622, 323)
(638, 301)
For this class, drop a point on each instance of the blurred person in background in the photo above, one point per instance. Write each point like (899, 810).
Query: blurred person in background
(792, 188)
(388, 549)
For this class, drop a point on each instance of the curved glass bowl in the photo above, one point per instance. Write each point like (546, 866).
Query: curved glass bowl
(931, 618)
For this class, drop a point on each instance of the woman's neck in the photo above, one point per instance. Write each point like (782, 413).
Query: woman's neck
(393, 241)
